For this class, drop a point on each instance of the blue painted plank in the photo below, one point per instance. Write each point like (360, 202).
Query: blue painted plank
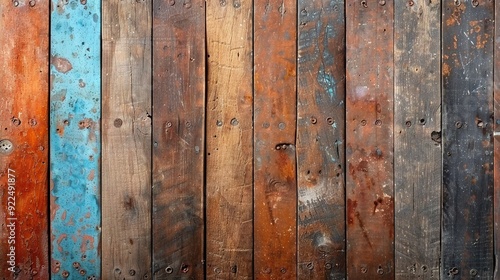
(75, 139)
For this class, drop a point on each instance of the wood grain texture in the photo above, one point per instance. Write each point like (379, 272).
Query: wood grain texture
(229, 153)
(369, 136)
(75, 98)
(126, 146)
(496, 142)
(274, 139)
(417, 139)
(24, 125)
(467, 233)
(178, 138)
(320, 140)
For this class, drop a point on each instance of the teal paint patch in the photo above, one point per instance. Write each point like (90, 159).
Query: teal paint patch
(75, 139)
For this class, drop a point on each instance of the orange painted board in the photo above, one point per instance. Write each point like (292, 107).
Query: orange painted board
(24, 93)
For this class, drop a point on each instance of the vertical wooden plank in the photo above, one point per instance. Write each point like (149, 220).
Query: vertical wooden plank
(467, 234)
(369, 136)
(75, 139)
(24, 139)
(417, 139)
(126, 146)
(496, 141)
(178, 138)
(229, 171)
(320, 140)
(274, 139)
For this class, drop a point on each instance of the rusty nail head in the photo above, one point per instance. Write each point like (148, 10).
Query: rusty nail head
(32, 3)
(473, 272)
(234, 269)
(82, 271)
(188, 124)
(76, 265)
(169, 124)
(32, 122)
(266, 270)
(146, 276)
(118, 122)
(310, 265)
(457, 2)
(169, 270)
(381, 2)
(458, 124)
(217, 270)
(422, 121)
(424, 268)
(283, 270)
(314, 120)
(411, 3)
(184, 268)
(480, 123)
(380, 271)
(16, 121)
(222, 3)
(454, 270)
(364, 270)
(83, 2)
(237, 4)
(234, 121)
(171, 2)
(303, 12)
(131, 272)
(408, 123)
(265, 125)
(118, 271)
(16, 3)
(187, 5)
(328, 265)
(218, 123)
(281, 125)
(65, 274)
(329, 120)
(378, 122)
(363, 122)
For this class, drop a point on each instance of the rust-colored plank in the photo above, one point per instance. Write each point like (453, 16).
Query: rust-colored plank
(178, 138)
(24, 139)
(417, 139)
(369, 139)
(467, 72)
(320, 140)
(126, 146)
(229, 153)
(274, 139)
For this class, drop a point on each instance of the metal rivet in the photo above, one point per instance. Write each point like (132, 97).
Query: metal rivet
(118, 123)
(329, 120)
(380, 271)
(328, 265)
(32, 3)
(65, 274)
(16, 3)
(408, 123)
(223, 3)
(473, 272)
(364, 270)
(6, 146)
(131, 272)
(32, 122)
(169, 270)
(364, 4)
(281, 125)
(16, 121)
(310, 266)
(82, 272)
(378, 122)
(458, 124)
(218, 123)
(234, 122)
(155, 144)
(169, 124)
(314, 120)
(363, 122)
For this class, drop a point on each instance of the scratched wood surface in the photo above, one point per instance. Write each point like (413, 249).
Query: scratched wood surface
(75, 139)
(229, 154)
(178, 138)
(274, 139)
(369, 140)
(417, 139)
(496, 142)
(24, 139)
(320, 140)
(126, 147)
(467, 233)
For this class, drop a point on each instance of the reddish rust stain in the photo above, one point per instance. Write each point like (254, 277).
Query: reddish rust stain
(446, 69)
(351, 209)
(61, 64)
(63, 215)
(91, 175)
(363, 166)
(87, 243)
(129, 203)
(87, 215)
(59, 240)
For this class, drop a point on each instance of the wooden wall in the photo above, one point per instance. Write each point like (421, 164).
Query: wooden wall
(235, 139)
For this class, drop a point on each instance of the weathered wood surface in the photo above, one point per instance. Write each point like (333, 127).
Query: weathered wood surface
(24, 139)
(75, 97)
(320, 140)
(178, 138)
(467, 232)
(417, 139)
(126, 147)
(496, 142)
(369, 139)
(274, 139)
(229, 154)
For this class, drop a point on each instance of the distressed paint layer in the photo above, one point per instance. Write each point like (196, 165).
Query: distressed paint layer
(320, 140)
(369, 140)
(24, 123)
(496, 141)
(75, 139)
(467, 84)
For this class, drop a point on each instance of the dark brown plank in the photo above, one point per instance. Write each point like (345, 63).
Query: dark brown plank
(24, 140)
(496, 141)
(229, 141)
(417, 139)
(178, 138)
(467, 234)
(274, 149)
(369, 135)
(320, 140)
(126, 171)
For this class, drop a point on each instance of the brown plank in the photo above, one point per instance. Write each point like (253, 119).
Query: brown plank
(369, 135)
(320, 140)
(229, 154)
(467, 81)
(178, 138)
(496, 141)
(274, 150)
(24, 139)
(417, 139)
(126, 146)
